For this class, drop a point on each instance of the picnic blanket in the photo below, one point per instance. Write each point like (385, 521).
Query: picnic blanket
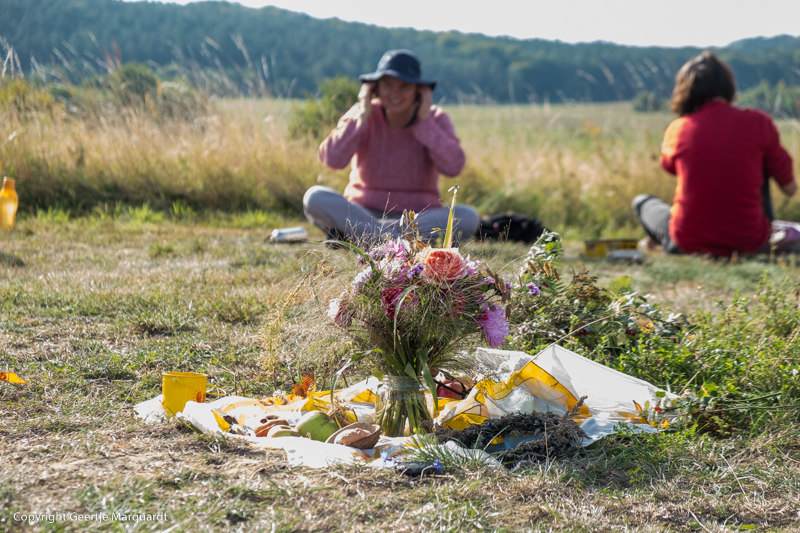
(553, 380)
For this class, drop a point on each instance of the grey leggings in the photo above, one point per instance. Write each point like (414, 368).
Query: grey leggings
(653, 213)
(340, 218)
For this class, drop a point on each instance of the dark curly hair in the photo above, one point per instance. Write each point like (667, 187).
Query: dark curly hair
(699, 80)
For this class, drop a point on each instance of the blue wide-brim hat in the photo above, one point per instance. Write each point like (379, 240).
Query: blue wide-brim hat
(401, 64)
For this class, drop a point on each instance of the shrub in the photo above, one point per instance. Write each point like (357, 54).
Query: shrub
(780, 101)
(738, 368)
(604, 320)
(18, 96)
(648, 102)
(319, 114)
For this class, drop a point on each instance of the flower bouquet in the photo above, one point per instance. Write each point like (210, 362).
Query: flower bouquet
(408, 309)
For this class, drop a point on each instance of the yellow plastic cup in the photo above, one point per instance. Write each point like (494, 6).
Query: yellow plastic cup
(181, 387)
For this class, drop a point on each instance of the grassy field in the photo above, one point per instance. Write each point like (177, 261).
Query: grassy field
(576, 167)
(94, 309)
(149, 252)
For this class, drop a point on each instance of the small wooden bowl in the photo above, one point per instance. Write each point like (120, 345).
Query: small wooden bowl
(365, 443)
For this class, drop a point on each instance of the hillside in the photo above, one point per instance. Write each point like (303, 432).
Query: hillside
(281, 52)
(766, 44)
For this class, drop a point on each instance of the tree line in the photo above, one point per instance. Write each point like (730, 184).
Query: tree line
(268, 51)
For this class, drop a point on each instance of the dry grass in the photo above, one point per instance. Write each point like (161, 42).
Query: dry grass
(221, 161)
(91, 316)
(576, 167)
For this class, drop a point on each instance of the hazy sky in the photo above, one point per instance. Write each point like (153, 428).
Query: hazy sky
(634, 22)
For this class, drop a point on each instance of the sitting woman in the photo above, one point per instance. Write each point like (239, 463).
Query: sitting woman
(723, 157)
(398, 143)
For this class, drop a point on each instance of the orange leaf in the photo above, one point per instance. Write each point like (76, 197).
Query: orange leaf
(11, 377)
(308, 384)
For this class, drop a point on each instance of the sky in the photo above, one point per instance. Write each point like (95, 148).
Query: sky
(631, 22)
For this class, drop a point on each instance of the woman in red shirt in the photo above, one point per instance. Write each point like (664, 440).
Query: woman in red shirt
(722, 156)
(398, 143)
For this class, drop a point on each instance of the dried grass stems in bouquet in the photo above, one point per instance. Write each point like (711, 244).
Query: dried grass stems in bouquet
(409, 308)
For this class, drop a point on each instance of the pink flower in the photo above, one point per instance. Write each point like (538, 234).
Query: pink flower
(394, 269)
(341, 315)
(390, 298)
(443, 265)
(494, 324)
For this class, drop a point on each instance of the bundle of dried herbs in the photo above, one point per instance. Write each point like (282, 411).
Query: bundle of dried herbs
(554, 435)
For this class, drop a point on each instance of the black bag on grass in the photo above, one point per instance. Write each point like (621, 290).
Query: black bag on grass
(512, 227)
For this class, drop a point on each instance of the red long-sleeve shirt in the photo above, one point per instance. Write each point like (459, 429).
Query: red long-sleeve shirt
(720, 153)
(394, 168)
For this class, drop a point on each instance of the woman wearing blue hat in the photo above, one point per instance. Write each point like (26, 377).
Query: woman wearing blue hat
(398, 143)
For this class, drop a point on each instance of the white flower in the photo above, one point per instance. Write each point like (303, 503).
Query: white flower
(333, 308)
(472, 266)
(362, 278)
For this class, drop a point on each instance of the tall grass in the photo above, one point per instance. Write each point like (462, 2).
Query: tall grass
(576, 167)
(227, 159)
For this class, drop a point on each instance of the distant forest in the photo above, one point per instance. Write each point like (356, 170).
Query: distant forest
(273, 51)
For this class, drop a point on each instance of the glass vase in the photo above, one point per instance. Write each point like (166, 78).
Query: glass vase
(400, 406)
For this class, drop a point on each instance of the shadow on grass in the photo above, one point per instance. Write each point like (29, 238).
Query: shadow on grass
(11, 260)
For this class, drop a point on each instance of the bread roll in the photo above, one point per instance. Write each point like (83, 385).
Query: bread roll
(350, 436)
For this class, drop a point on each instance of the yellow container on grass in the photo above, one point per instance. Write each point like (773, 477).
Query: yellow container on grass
(8, 204)
(181, 387)
(599, 248)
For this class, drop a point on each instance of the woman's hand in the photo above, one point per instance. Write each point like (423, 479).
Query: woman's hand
(789, 189)
(425, 102)
(365, 95)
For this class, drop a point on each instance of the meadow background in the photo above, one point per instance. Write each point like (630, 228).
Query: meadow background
(576, 167)
(147, 194)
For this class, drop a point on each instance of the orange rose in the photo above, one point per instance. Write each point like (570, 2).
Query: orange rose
(443, 265)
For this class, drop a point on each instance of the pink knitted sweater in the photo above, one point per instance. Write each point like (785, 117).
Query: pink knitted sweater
(394, 168)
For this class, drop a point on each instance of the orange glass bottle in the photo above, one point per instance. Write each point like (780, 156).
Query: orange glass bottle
(8, 204)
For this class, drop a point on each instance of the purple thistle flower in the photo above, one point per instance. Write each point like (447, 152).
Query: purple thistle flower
(494, 324)
(509, 286)
(533, 290)
(487, 281)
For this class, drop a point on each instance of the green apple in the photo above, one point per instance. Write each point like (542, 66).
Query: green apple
(318, 425)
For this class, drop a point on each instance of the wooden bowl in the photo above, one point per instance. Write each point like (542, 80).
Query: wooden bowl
(365, 443)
